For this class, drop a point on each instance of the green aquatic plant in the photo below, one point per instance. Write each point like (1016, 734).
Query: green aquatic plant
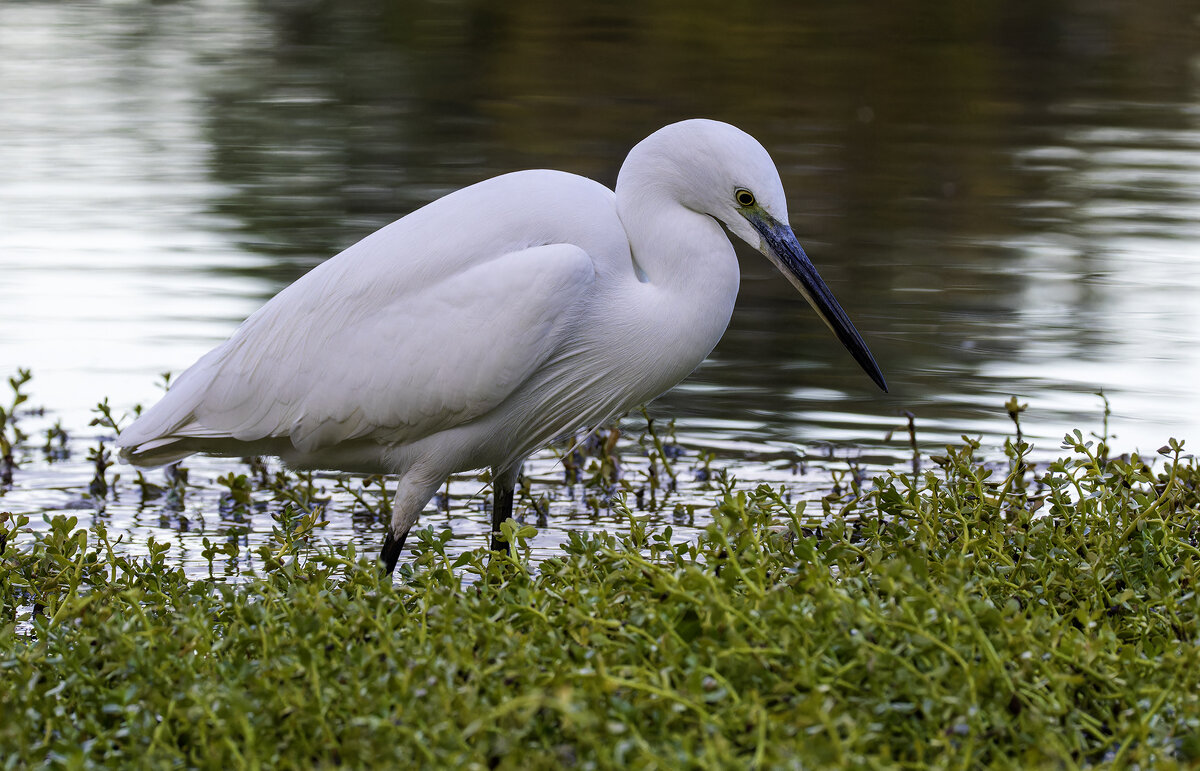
(10, 433)
(977, 615)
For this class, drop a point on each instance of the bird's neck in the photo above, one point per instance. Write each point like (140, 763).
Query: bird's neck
(688, 284)
(676, 249)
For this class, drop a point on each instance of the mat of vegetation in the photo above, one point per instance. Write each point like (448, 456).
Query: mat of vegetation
(971, 615)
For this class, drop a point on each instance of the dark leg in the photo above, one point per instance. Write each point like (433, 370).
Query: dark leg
(392, 546)
(502, 506)
(416, 486)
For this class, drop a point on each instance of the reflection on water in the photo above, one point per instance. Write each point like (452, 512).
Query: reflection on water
(1004, 196)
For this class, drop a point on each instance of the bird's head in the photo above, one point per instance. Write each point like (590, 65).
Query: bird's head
(716, 169)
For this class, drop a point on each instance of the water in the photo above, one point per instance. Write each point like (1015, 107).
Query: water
(1006, 200)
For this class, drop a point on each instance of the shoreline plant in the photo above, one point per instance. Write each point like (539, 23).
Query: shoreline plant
(965, 615)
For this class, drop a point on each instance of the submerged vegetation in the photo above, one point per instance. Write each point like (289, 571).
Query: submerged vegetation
(965, 614)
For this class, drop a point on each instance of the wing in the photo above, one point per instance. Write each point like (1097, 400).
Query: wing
(339, 355)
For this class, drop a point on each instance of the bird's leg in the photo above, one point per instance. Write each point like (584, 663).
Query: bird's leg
(390, 553)
(504, 481)
(413, 491)
(502, 505)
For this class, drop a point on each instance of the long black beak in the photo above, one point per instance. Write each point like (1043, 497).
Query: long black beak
(785, 251)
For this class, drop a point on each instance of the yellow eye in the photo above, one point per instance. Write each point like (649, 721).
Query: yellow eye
(744, 197)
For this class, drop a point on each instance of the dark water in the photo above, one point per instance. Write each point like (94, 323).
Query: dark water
(1004, 196)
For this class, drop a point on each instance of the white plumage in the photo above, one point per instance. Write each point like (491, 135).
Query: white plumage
(481, 326)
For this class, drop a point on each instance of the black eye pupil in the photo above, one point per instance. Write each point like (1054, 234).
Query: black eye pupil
(745, 197)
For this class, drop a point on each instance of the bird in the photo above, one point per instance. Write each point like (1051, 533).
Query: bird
(487, 323)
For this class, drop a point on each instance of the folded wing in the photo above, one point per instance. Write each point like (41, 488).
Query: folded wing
(358, 350)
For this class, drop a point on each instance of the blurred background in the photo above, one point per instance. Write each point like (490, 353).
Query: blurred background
(1005, 196)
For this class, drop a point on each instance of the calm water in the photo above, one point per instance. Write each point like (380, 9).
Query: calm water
(1006, 200)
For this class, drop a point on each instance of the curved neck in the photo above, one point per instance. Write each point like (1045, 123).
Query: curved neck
(675, 247)
(688, 277)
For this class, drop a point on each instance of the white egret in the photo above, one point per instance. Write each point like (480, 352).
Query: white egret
(480, 327)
